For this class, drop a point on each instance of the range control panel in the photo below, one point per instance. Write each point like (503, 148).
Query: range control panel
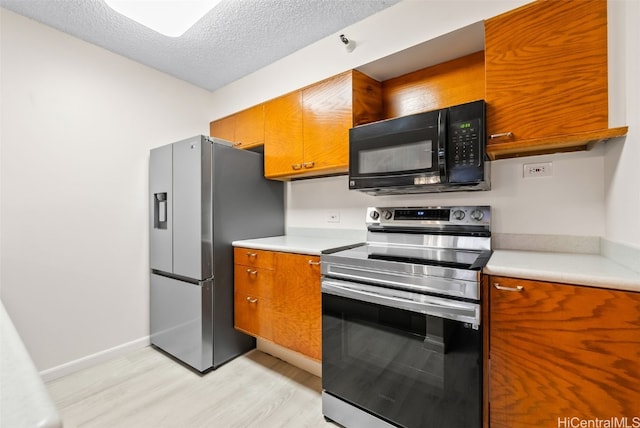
(475, 215)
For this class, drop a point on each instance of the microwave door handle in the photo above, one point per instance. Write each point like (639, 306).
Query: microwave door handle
(442, 144)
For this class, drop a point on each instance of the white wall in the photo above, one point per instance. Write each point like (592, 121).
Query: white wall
(568, 203)
(77, 126)
(622, 159)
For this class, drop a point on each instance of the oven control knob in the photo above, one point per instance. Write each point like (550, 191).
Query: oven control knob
(458, 214)
(477, 215)
(374, 215)
(387, 215)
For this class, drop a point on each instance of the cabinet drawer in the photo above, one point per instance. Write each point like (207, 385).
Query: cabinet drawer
(253, 281)
(251, 257)
(253, 315)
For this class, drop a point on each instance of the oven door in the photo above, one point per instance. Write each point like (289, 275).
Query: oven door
(409, 359)
(405, 151)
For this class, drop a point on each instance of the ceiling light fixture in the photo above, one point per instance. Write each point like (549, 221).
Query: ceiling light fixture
(169, 17)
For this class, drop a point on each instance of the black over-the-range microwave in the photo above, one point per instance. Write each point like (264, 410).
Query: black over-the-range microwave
(437, 151)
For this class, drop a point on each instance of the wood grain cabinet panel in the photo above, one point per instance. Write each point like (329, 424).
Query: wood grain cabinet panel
(277, 298)
(253, 287)
(562, 351)
(546, 78)
(224, 128)
(297, 304)
(253, 258)
(283, 135)
(443, 85)
(244, 129)
(307, 131)
(253, 315)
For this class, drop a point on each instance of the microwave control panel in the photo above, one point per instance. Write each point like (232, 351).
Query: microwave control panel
(464, 139)
(466, 143)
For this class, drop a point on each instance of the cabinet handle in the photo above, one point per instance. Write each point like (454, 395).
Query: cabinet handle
(500, 135)
(296, 166)
(312, 263)
(518, 288)
(236, 144)
(309, 164)
(252, 272)
(250, 300)
(252, 255)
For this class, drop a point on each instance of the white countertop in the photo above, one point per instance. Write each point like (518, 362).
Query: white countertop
(311, 245)
(581, 269)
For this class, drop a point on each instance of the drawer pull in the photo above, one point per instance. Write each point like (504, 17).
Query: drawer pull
(250, 300)
(312, 263)
(252, 255)
(296, 166)
(517, 289)
(252, 272)
(502, 134)
(309, 164)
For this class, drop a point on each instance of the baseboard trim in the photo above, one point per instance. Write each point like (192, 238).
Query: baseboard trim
(93, 359)
(294, 358)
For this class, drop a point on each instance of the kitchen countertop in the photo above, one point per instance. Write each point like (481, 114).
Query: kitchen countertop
(311, 245)
(580, 269)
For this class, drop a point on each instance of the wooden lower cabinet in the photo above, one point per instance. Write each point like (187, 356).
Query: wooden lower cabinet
(561, 354)
(297, 322)
(277, 298)
(253, 286)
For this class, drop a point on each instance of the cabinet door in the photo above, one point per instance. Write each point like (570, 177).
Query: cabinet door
(283, 135)
(253, 315)
(249, 127)
(546, 71)
(562, 351)
(297, 323)
(327, 117)
(224, 128)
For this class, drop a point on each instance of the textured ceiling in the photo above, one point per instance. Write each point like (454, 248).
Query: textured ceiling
(236, 38)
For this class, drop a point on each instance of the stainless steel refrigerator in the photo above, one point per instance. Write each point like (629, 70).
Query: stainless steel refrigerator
(204, 194)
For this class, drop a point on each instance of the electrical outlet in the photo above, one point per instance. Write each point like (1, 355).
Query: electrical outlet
(543, 169)
(333, 217)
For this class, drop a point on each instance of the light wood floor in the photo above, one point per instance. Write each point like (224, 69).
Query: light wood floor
(149, 389)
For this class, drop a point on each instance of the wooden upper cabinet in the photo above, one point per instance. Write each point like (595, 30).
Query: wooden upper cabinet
(546, 78)
(224, 128)
(283, 135)
(312, 138)
(244, 129)
(561, 351)
(454, 82)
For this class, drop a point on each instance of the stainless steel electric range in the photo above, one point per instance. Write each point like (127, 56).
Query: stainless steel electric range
(401, 325)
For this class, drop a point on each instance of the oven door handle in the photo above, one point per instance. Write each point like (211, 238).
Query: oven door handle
(421, 303)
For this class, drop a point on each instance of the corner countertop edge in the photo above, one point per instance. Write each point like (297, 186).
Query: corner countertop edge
(591, 270)
(299, 244)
